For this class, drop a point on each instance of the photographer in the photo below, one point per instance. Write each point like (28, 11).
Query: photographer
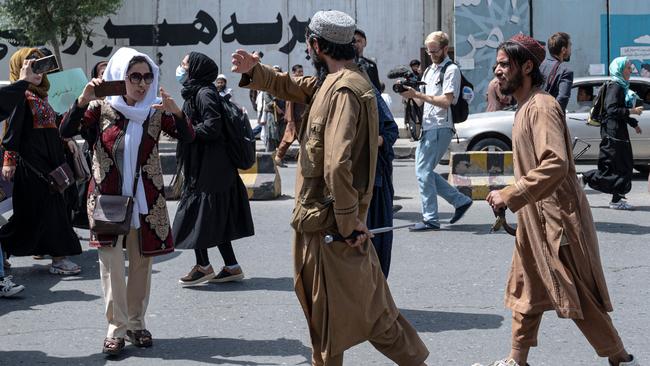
(438, 129)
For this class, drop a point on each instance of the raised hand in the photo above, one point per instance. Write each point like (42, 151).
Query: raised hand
(88, 94)
(167, 104)
(243, 62)
(27, 74)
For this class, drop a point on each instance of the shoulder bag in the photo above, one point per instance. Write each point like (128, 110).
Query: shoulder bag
(58, 179)
(112, 213)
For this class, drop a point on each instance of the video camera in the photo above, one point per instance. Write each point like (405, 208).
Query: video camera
(412, 111)
(404, 76)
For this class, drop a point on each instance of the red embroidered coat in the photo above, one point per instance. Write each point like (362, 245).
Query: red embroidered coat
(104, 129)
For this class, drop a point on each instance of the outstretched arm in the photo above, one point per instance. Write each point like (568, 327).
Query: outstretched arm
(263, 77)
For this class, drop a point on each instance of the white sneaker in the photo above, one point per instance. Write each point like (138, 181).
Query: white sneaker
(8, 288)
(621, 205)
(504, 362)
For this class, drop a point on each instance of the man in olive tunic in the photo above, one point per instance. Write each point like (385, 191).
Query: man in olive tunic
(556, 263)
(340, 286)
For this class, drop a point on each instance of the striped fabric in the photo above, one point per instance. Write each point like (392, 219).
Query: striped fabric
(476, 173)
(262, 180)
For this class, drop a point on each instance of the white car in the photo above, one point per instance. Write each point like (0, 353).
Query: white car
(491, 131)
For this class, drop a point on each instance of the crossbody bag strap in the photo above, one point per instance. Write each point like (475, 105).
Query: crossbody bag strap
(443, 70)
(32, 168)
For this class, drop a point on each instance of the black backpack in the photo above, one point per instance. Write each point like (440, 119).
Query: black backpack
(597, 112)
(241, 142)
(460, 110)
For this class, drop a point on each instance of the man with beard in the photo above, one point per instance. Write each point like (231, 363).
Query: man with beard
(222, 87)
(437, 131)
(556, 263)
(558, 79)
(340, 286)
(368, 65)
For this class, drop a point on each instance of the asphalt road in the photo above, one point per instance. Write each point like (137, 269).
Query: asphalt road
(449, 284)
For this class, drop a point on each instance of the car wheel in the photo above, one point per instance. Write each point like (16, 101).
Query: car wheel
(490, 144)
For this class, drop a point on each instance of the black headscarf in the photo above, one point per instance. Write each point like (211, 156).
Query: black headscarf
(203, 71)
(94, 73)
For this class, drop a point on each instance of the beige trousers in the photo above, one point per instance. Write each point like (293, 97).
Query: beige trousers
(596, 324)
(400, 343)
(126, 303)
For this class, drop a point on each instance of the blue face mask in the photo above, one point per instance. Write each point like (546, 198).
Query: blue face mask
(181, 74)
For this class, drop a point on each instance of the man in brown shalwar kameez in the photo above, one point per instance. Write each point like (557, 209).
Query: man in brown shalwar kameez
(556, 263)
(340, 286)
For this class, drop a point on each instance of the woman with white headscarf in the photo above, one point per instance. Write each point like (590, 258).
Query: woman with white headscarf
(124, 131)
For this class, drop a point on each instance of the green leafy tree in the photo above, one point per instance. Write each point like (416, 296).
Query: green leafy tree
(54, 21)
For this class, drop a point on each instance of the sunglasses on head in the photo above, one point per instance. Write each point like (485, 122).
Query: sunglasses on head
(136, 78)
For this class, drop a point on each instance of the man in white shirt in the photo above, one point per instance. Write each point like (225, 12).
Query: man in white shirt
(438, 129)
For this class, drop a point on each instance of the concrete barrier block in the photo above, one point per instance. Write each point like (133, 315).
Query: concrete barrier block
(476, 173)
(262, 180)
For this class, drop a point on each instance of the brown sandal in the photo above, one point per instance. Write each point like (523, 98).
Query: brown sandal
(139, 338)
(113, 346)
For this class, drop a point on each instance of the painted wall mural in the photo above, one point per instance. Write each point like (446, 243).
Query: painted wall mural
(480, 26)
(629, 36)
(169, 29)
(203, 29)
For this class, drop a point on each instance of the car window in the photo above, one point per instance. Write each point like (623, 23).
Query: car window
(582, 97)
(643, 91)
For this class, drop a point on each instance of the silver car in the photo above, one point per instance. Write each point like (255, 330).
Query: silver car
(491, 131)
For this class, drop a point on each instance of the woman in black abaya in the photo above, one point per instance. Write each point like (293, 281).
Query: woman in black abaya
(213, 209)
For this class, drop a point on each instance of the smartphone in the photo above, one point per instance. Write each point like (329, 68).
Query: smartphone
(45, 65)
(107, 88)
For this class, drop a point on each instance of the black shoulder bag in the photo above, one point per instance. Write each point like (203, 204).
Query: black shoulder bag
(58, 179)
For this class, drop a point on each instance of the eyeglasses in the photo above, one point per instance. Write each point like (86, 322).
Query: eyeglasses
(433, 52)
(136, 78)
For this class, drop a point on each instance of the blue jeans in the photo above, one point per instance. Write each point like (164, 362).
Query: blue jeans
(431, 148)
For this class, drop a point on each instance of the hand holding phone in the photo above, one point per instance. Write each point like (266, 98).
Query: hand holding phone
(108, 88)
(27, 74)
(88, 94)
(45, 65)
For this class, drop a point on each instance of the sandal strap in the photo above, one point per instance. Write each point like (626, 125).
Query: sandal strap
(140, 335)
(114, 342)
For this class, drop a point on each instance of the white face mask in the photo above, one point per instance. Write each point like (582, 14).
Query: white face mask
(181, 74)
